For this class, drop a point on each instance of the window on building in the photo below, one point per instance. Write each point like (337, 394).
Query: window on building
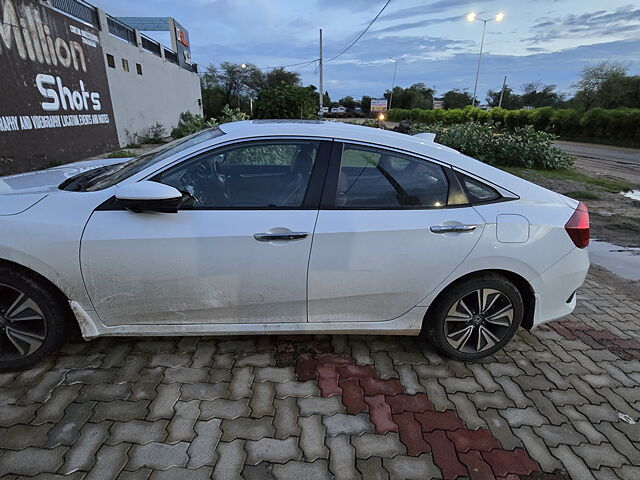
(111, 61)
(125, 64)
(139, 68)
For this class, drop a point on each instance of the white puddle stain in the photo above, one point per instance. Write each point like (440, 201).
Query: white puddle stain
(624, 262)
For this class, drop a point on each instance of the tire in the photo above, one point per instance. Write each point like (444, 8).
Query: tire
(458, 328)
(33, 319)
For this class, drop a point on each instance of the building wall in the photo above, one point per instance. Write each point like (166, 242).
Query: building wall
(159, 95)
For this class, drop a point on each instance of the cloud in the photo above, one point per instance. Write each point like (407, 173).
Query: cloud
(419, 24)
(601, 23)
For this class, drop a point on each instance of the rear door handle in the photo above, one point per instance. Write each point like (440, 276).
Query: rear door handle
(288, 236)
(452, 228)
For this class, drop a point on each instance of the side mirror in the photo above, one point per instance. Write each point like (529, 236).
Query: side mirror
(147, 196)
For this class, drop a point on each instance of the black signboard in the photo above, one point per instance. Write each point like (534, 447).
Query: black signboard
(55, 105)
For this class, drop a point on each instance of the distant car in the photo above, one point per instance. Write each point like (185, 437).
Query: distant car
(269, 227)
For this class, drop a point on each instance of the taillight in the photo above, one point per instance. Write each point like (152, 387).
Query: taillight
(578, 226)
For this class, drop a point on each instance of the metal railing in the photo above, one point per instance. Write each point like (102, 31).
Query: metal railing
(121, 30)
(76, 8)
(170, 55)
(151, 45)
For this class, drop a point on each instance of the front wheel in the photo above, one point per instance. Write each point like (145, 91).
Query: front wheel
(33, 320)
(475, 317)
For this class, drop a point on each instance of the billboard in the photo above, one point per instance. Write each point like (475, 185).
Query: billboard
(378, 105)
(55, 104)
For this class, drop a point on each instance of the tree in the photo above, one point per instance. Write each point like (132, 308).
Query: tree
(456, 98)
(606, 85)
(348, 102)
(417, 95)
(537, 95)
(326, 100)
(287, 101)
(510, 99)
(365, 103)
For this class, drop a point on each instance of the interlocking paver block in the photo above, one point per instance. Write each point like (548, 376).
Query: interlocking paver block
(537, 448)
(372, 469)
(476, 466)
(53, 409)
(447, 420)
(247, 428)
(444, 454)
(297, 389)
(81, 456)
(340, 423)
(285, 420)
(158, 456)
(409, 403)
(467, 411)
(412, 468)
(505, 462)
(274, 374)
(202, 450)
(374, 386)
(204, 391)
(272, 450)
(67, 430)
(436, 394)
(353, 396)
(231, 459)
(342, 461)
(223, 408)
(173, 473)
(23, 436)
(14, 414)
(138, 431)
(120, 410)
(523, 416)
(312, 437)
(597, 456)
(573, 464)
(409, 380)
(31, 461)
(261, 359)
(410, 433)
(465, 440)
(262, 400)
(204, 353)
(110, 460)
(162, 405)
(380, 414)
(320, 405)
(295, 470)
(375, 445)
(563, 434)
(240, 386)
(500, 429)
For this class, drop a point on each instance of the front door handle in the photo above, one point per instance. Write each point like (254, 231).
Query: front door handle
(286, 236)
(452, 228)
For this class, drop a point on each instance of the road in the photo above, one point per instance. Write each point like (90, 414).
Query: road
(616, 162)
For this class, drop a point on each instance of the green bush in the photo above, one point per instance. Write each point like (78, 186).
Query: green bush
(522, 147)
(617, 126)
(189, 123)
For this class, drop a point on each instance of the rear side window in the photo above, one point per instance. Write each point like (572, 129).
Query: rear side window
(371, 178)
(478, 192)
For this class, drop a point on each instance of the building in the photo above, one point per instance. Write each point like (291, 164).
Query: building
(79, 82)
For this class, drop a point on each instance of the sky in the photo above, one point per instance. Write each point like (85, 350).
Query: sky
(538, 40)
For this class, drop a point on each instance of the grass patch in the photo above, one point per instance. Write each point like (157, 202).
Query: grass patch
(121, 154)
(582, 195)
(133, 145)
(606, 184)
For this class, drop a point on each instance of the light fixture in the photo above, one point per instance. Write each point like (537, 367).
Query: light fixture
(499, 17)
(471, 17)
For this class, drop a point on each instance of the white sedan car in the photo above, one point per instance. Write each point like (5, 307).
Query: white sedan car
(269, 227)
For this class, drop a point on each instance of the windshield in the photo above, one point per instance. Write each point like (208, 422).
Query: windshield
(108, 176)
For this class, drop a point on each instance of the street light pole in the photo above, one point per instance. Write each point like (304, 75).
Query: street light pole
(393, 83)
(471, 17)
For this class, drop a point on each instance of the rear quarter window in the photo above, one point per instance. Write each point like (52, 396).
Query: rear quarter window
(477, 191)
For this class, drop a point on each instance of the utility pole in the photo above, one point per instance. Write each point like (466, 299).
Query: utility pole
(504, 85)
(321, 113)
(393, 83)
(475, 87)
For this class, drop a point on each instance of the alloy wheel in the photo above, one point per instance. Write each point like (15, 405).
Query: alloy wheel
(479, 320)
(23, 327)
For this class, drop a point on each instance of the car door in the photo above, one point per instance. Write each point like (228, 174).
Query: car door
(390, 229)
(237, 251)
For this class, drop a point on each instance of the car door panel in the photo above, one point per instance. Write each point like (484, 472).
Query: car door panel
(375, 265)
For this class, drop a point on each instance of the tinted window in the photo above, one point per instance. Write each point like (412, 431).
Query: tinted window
(377, 178)
(479, 192)
(259, 174)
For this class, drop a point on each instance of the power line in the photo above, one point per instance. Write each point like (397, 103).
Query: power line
(362, 34)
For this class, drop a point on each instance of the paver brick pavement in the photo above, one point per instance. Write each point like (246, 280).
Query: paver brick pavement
(560, 402)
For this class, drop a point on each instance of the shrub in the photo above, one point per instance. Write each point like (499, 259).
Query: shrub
(191, 123)
(524, 147)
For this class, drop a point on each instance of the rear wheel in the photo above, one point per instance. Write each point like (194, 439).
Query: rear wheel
(475, 317)
(33, 320)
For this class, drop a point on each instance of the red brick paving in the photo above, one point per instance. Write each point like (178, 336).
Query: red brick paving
(466, 440)
(476, 466)
(380, 413)
(444, 454)
(627, 349)
(411, 434)
(456, 450)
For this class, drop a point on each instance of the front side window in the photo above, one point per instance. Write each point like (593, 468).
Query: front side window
(372, 178)
(258, 174)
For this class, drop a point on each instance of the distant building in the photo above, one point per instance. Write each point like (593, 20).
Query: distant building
(78, 82)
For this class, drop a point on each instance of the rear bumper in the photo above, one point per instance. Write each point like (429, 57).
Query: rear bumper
(555, 288)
